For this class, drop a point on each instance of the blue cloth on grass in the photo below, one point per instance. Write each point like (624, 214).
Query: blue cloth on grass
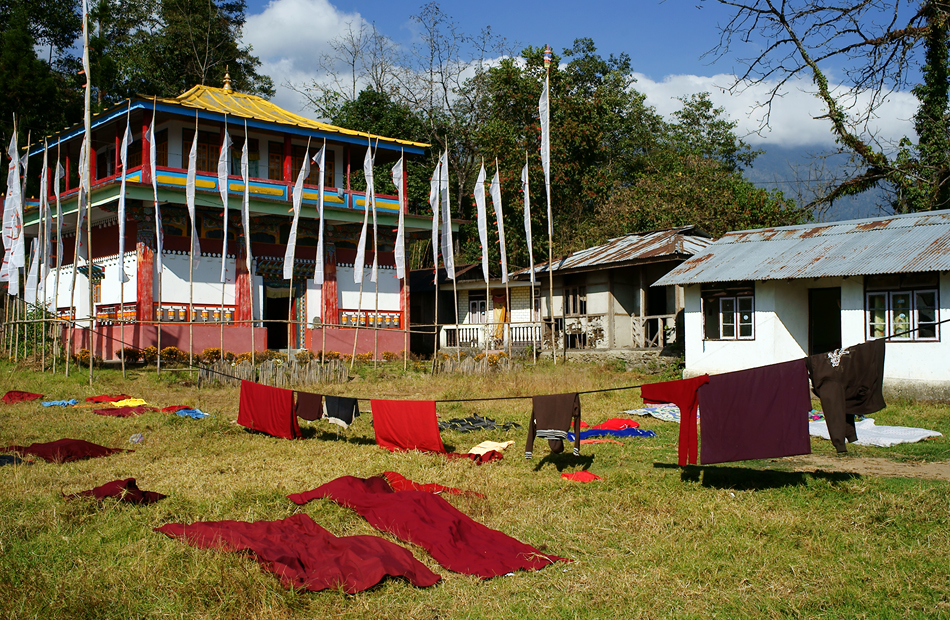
(61, 403)
(192, 413)
(600, 432)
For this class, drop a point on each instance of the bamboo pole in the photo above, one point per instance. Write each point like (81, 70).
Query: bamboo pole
(59, 262)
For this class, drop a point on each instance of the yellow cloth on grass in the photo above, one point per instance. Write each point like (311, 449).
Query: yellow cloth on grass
(487, 446)
(128, 402)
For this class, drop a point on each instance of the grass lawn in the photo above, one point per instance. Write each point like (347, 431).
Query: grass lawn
(756, 539)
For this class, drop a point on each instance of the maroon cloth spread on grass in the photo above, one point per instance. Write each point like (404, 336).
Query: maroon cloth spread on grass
(454, 539)
(581, 476)
(758, 413)
(400, 483)
(15, 396)
(124, 412)
(124, 490)
(268, 410)
(64, 450)
(683, 394)
(175, 408)
(107, 398)
(406, 425)
(618, 424)
(304, 555)
(478, 459)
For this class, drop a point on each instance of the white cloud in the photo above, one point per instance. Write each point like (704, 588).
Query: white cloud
(793, 121)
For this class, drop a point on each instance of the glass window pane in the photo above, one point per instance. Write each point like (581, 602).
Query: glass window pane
(727, 311)
(711, 318)
(900, 308)
(745, 317)
(877, 315)
(926, 302)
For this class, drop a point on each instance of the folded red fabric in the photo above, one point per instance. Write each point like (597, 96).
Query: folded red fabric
(304, 555)
(406, 425)
(618, 424)
(174, 408)
(400, 483)
(107, 398)
(478, 459)
(15, 396)
(124, 412)
(64, 450)
(454, 539)
(268, 410)
(581, 476)
(124, 490)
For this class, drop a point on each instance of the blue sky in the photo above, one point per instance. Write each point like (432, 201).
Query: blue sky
(665, 40)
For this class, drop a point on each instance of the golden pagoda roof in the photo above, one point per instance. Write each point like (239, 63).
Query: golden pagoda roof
(252, 107)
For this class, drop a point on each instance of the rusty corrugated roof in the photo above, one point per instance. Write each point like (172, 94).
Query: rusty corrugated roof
(636, 247)
(897, 244)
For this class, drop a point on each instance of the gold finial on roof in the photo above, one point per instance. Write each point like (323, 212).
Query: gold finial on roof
(227, 81)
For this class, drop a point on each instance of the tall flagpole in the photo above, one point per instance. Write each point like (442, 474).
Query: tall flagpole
(159, 268)
(361, 248)
(190, 195)
(223, 191)
(526, 189)
(504, 259)
(319, 275)
(44, 245)
(85, 181)
(245, 217)
(375, 272)
(121, 215)
(399, 252)
(482, 221)
(435, 203)
(59, 257)
(546, 161)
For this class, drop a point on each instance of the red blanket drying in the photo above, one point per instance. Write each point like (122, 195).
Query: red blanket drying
(406, 425)
(64, 450)
(618, 424)
(268, 410)
(107, 398)
(581, 476)
(123, 490)
(454, 539)
(304, 555)
(400, 483)
(124, 412)
(15, 396)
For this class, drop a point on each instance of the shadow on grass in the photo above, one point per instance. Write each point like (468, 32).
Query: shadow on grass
(565, 460)
(749, 479)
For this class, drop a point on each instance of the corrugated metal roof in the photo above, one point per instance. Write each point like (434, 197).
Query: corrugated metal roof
(673, 242)
(897, 244)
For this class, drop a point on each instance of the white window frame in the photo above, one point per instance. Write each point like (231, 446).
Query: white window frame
(477, 311)
(914, 318)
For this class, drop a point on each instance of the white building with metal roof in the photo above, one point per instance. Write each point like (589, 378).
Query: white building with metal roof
(771, 295)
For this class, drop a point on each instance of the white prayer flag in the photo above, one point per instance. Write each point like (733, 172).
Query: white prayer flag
(223, 191)
(527, 219)
(482, 218)
(361, 248)
(320, 160)
(190, 198)
(245, 205)
(544, 107)
(10, 206)
(496, 202)
(434, 203)
(371, 194)
(81, 239)
(152, 154)
(29, 293)
(60, 173)
(448, 252)
(400, 250)
(46, 224)
(297, 200)
(124, 159)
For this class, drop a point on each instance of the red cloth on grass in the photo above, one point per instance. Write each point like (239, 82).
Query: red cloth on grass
(304, 555)
(618, 424)
(124, 412)
(581, 476)
(124, 490)
(107, 398)
(400, 483)
(175, 408)
(268, 409)
(478, 459)
(15, 396)
(406, 425)
(64, 450)
(683, 394)
(454, 539)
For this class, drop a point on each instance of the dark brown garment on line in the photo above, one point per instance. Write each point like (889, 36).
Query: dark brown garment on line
(554, 412)
(309, 406)
(851, 388)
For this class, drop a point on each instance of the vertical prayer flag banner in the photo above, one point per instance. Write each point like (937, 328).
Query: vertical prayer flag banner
(495, 192)
(245, 204)
(448, 251)
(47, 224)
(400, 249)
(123, 159)
(190, 197)
(320, 160)
(223, 191)
(527, 218)
(544, 107)
(371, 191)
(482, 218)
(150, 137)
(60, 173)
(297, 200)
(83, 194)
(32, 276)
(434, 203)
(361, 248)
(10, 206)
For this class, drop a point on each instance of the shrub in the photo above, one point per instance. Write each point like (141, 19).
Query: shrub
(229, 356)
(391, 356)
(346, 357)
(173, 355)
(243, 357)
(131, 354)
(82, 359)
(211, 355)
(268, 355)
(364, 358)
(332, 355)
(305, 356)
(149, 355)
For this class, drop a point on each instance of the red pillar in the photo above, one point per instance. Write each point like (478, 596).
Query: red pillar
(242, 297)
(144, 281)
(288, 160)
(65, 187)
(331, 303)
(146, 151)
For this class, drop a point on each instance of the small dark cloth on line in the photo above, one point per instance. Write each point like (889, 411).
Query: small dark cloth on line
(268, 410)
(306, 556)
(107, 398)
(15, 396)
(551, 418)
(123, 490)
(64, 450)
(309, 406)
(124, 412)
(849, 383)
(757, 413)
(341, 410)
